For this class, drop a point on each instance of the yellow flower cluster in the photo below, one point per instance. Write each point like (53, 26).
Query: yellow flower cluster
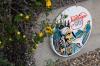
(48, 30)
(40, 34)
(48, 3)
(26, 17)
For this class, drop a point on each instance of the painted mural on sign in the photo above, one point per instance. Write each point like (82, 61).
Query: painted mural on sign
(73, 27)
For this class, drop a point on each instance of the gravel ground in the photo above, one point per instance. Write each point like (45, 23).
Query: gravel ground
(44, 51)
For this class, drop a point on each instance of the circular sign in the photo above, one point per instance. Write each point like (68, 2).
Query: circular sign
(73, 27)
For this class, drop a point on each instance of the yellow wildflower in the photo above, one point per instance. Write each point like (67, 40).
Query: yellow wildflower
(48, 3)
(18, 33)
(21, 14)
(24, 36)
(10, 39)
(36, 45)
(27, 17)
(40, 34)
(49, 30)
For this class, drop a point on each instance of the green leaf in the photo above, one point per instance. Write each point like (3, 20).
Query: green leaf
(17, 18)
(38, 3)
